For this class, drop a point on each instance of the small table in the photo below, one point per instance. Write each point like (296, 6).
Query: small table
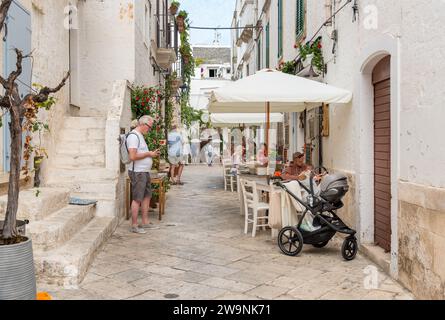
(160, 181)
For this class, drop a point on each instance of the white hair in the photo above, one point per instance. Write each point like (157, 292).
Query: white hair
(145, 120)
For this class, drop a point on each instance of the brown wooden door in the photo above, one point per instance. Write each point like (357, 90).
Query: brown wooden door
(382, 153)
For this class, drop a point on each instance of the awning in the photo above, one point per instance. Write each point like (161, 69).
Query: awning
(227, 120)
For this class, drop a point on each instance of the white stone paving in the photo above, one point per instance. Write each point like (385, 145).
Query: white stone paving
(201, 252)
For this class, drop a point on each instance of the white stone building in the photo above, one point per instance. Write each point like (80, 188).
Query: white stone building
(106, 45)
(213, 70)
(386, 139)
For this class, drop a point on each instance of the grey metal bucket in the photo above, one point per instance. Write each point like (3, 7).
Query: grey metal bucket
(17, 275)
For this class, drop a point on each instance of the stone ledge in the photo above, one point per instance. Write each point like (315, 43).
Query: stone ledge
(422, 196)
(35, 208)
(377, 255)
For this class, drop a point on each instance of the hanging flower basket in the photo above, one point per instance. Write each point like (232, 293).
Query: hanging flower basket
(174, 9)
(181, 24)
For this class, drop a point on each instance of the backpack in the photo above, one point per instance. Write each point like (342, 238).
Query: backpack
(123, 148)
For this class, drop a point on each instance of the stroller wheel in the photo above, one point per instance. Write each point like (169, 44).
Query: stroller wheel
(321, 244)
(349, 248)
(290, 241)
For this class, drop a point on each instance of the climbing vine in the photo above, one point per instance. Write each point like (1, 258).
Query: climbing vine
(147, 101)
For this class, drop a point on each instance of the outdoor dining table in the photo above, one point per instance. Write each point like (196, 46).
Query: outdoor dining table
(262, 184)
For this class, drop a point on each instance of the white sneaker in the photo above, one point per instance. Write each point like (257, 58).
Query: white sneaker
(137, 230)
(150, 226)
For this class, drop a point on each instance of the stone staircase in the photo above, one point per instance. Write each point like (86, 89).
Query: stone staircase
(65, 237)
(79, 164)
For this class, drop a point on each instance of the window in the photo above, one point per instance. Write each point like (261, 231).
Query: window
(247, 70)
(280, 28)
(268, 46)
(146, 26)
(213, 73)
(300, 19)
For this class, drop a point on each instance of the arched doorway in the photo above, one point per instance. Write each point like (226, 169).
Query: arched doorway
(381, 80)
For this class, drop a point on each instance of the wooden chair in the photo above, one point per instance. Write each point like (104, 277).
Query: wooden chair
(252, 202)
(229, 178)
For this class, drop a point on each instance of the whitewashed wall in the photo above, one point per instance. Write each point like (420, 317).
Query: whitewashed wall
(107, 51)
(50, 40)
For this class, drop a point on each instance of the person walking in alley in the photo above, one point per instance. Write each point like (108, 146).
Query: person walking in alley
(209, 152)
(175, 155)
(139, 172)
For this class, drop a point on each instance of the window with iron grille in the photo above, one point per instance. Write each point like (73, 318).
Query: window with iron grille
(300, 16)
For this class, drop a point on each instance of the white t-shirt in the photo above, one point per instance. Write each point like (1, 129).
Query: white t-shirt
(133, 142)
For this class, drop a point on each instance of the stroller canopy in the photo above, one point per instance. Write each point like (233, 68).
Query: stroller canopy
(333, 181)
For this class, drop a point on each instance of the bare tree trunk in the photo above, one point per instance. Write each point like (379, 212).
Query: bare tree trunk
(9, 228)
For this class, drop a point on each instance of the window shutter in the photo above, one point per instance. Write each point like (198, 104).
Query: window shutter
(300, 18)
(280, 28)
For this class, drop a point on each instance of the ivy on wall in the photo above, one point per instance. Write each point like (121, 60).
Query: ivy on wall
(147, 101)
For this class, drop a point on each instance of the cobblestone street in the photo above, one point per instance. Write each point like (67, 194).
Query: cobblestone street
(201, 252)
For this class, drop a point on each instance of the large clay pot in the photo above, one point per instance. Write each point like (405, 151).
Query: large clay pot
(17, 275)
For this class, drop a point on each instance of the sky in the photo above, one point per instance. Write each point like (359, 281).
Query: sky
(209, 13)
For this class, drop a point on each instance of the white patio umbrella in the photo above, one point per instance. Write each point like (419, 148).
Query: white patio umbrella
(228, 120)
(283, 93)
(274, 91)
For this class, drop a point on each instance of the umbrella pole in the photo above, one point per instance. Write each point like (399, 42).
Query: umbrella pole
(267, 126)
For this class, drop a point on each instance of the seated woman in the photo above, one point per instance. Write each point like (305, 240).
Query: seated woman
(297, 170)
(262, 157)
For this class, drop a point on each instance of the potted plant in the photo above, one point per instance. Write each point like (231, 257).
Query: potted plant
(312, 54)
(174, 7)
(180, 20)
(17, 278)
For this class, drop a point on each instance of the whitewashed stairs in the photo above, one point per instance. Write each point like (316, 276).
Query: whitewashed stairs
(65, 237)
(79, 164)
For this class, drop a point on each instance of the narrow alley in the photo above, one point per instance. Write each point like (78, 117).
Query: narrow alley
(201, 252)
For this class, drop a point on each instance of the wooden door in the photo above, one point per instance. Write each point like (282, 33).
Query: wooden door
(382, 153)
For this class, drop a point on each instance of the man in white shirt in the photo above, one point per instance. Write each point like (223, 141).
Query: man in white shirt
(139, 172)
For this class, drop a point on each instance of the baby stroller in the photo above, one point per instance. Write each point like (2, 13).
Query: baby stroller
(322, 209)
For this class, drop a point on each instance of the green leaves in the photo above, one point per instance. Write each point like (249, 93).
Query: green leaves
(314, 48)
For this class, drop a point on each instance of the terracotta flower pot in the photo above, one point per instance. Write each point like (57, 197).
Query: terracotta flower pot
(180, 22)
(173, 9)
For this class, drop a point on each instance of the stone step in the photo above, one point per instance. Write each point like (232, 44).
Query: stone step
(82, 135)
(89, 190)
(84, 122)
(77, 175)
(58, 228)
(79, 161)
(35, 207)
(82, 148)
(98, 195)
(67, 265)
